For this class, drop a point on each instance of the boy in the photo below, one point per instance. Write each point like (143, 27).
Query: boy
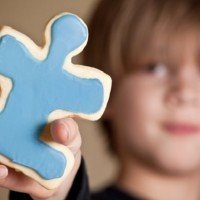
(151, 50)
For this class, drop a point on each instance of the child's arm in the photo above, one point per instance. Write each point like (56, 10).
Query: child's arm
(64, 131)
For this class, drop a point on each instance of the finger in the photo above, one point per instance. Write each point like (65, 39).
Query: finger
(66, 131)
(59, 131)
(3, 171)
(17, 181)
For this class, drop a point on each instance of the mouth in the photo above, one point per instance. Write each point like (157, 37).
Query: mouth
(181, 128)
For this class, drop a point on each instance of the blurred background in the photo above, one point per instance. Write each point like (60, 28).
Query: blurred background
(30, 18)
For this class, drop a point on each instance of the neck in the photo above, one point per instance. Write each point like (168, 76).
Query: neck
(137, 179)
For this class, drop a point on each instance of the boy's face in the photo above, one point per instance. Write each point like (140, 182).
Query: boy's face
(156, 113)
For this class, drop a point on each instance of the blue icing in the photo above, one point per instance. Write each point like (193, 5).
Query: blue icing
(40, 87)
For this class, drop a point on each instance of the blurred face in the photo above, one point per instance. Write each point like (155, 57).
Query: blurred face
(157, 110)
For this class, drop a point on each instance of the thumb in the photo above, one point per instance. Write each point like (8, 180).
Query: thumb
(65, 131)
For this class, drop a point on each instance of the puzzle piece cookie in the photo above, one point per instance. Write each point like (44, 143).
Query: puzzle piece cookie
(39, 85)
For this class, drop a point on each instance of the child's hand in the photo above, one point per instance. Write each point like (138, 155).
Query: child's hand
(64, 131)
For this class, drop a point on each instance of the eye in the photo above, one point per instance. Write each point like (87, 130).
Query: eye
(159, 69)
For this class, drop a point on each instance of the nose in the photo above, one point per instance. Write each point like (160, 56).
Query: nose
(184, 87)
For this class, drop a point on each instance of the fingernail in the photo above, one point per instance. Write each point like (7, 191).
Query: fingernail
(65, 128)
(3, 172)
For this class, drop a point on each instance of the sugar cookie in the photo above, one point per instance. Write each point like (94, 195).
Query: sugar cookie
(39, 85)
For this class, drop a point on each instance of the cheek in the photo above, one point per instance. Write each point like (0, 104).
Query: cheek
(137, 108)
